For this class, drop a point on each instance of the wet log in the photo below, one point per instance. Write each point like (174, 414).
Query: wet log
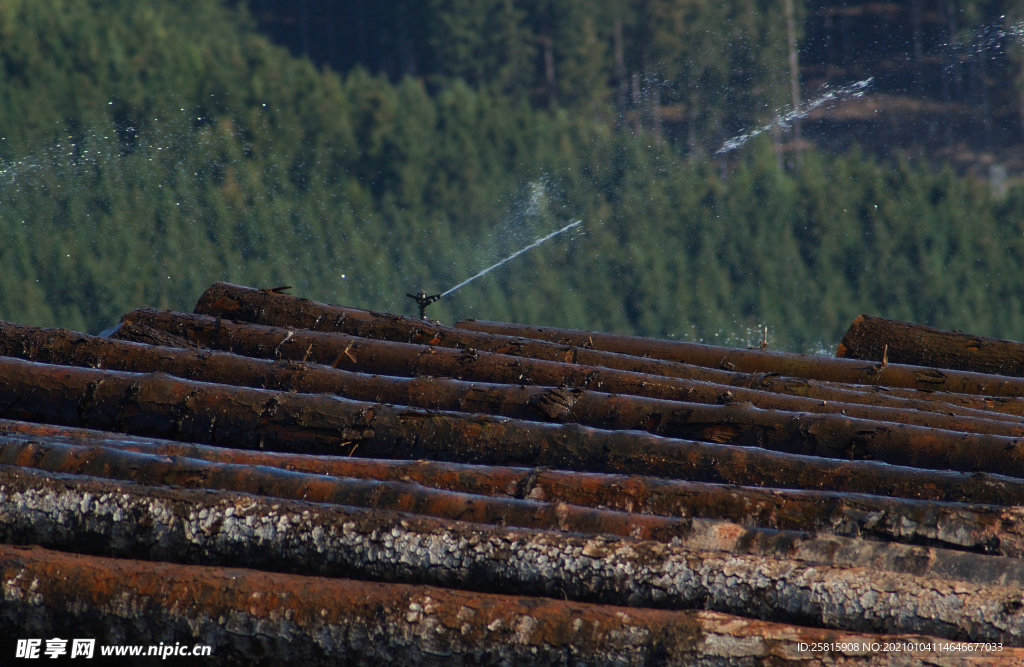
(401, 496)
(980, 528)
(286, 619)
(872, 337)
(627, 491)
(723, 424)
(162, 406)
(404, 359)
(1011, 407)
(848, 371)
(48, 510)
(245, 304)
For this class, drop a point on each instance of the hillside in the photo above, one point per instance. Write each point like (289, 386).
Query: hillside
(153, 147)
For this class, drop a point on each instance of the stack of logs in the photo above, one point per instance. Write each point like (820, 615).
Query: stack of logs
(295, 482)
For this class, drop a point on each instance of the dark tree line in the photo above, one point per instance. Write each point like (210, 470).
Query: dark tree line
(152, 147)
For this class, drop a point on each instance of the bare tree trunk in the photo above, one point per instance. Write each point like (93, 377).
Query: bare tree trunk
(794, 77)
(915, 21)
(304, 21)
(620, 69)
(777, 140)
(637, 109)
(549, 69)
(317, 621)
(948, 62)
(980, 528)
(655, 95)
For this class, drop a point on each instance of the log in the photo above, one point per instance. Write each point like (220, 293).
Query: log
(723, 424)
(870, 337)
(847, 371)
(1009, 406)
(245, 304)
(48, 510)
(162, 406)
(980, 528)
(403, 359)
(704, 463)
(283, 619)
(55, 456)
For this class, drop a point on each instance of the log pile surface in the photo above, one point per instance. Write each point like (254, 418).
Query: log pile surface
(291, 482)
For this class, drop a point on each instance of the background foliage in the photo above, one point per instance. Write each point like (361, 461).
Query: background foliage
(152, 147)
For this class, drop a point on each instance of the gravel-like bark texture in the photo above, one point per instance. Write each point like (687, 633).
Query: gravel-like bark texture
(974, 527)
(268, 619)
(113, 518)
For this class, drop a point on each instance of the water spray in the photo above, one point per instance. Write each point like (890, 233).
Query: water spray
(829, 96)
(422, 300)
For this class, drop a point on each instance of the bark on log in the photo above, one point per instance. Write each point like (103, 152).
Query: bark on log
(162, 406)
(1011, 407)
(905, 343)
(630, 491)
(980, 528)
(399, 496)
(245, 304)
(405, 359)
(732, 424)
(288, 619)
(56, 519)
(849, 371)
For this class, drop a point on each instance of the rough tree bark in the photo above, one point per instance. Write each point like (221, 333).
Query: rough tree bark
(162, 406)
(723, 424)
(717, 364)
(850, 371)
(29, 519)
(400, 496)
(905, 343)
(974, 527)
(406, 359)
(316, 621)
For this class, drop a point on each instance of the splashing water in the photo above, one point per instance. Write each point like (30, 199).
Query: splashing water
(513, 256)
(991, 37)
(829, 96)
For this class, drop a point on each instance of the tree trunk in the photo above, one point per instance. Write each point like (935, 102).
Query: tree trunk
(316, 621)
(907, 343)
(980, 528)
(637, 120)
(794, 77)
(622, 82)
(162, 406)
(244, 304)
(600, 410)
(366, 355)
(756, 361)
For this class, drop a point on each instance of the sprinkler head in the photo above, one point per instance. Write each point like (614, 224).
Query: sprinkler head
(422, 300)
